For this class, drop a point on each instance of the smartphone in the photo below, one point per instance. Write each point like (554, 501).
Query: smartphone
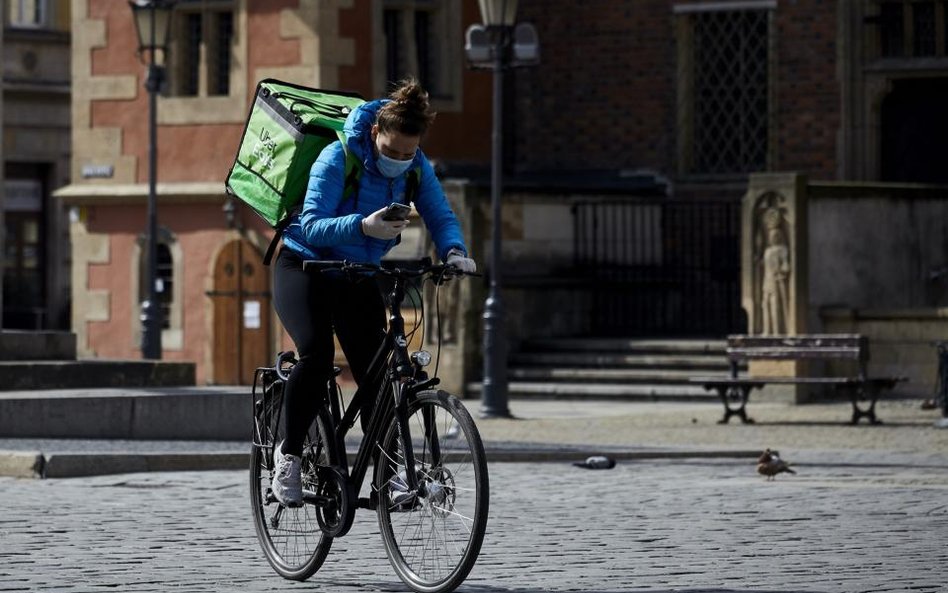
(396, 211)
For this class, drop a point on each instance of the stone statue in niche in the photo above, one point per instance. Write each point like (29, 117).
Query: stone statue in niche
(775, 280)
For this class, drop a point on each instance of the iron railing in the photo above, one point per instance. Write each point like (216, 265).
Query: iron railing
(659, 266)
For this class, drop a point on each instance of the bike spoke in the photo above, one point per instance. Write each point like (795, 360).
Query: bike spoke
(434, 543)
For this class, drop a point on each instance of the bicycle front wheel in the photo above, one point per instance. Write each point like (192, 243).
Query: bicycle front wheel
(433, 536)
(291, 538)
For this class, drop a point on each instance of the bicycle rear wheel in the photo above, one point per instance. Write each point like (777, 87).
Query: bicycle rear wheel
(291, 538)
(433, 537)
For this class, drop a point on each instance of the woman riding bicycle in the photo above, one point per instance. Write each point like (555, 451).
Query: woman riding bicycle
(384, 135)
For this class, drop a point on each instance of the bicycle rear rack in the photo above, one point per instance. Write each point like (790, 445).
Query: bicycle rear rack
(267, 402)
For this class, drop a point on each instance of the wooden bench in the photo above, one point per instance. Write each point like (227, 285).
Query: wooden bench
(734, 390)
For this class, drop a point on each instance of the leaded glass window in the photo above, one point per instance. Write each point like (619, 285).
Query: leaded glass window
(909, 28)
(725, 104)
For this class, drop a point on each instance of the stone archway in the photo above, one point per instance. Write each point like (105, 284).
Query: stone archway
(241, 310)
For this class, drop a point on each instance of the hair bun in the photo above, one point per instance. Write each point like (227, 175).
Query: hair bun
(410, 94)
(408, 110)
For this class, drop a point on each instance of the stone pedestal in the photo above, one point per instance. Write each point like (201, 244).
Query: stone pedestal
(460, 301)
(774, 269)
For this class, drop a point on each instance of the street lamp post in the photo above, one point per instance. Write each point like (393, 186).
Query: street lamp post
(153, 24)
(497, 45)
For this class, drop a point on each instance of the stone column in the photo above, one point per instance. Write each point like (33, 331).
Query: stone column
(774, 266)
(460, 301)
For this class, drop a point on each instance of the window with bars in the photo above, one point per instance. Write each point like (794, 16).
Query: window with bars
(201, 54)
(417, 41)
(724, 81)
(910, 28)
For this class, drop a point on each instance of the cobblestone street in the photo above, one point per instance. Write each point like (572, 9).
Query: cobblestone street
(643, 526)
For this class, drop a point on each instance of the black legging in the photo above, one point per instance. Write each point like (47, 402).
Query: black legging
(310, 304)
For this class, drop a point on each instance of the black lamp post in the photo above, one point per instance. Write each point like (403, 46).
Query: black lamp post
(497, 45)
(153, 24)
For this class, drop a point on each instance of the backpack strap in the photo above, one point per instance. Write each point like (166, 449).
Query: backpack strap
(278, 232)
(353, 173)
(350, 189)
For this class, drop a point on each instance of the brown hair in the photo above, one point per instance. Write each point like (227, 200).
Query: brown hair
(407, 112)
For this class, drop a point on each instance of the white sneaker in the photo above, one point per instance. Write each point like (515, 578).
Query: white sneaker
(287, 485)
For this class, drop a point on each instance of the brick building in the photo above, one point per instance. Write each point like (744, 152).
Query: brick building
(213, 288)
(696, 96)
(704, 91)
(628, 148)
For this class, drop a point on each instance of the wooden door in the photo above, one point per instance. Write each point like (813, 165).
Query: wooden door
(241, 298)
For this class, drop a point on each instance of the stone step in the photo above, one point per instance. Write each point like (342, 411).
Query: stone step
(610, 375)
(76, 374)
(695, 362)
(197, 413)
(603, 391)
(643, 346)
(37, 345)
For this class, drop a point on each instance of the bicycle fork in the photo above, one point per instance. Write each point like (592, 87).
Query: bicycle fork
(404, 435)
(429, 439)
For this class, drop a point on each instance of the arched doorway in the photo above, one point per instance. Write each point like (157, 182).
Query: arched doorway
(915, 131)
(241, 298)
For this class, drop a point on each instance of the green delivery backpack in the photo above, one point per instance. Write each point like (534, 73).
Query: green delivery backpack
(287, 128)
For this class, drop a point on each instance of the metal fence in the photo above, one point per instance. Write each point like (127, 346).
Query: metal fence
(659, 266)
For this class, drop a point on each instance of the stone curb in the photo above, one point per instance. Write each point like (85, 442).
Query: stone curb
(70, 465)
(22, 464)
(73, 465)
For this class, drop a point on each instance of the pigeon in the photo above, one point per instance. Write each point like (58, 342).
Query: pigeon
(597, 462)
(769, 464)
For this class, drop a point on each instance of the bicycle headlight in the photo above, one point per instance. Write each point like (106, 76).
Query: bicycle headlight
(421, 358)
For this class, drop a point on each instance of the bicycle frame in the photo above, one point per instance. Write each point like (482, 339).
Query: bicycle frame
(398, 385)
(422, 501)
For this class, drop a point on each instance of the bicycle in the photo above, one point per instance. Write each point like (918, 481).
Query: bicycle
(432, 519)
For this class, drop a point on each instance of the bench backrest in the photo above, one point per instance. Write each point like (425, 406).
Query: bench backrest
(808, 346)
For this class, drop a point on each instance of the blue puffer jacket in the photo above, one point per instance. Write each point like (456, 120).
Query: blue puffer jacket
(330, 228)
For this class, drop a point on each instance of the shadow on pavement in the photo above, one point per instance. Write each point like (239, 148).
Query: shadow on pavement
(862, 423)
(489, 589)
(398, 586)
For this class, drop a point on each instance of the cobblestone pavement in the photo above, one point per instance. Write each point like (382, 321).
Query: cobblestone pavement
(694, 526)
(813, 426)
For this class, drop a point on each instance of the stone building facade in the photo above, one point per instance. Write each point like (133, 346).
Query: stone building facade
(651, 115)
(35, 161)
(836, 103)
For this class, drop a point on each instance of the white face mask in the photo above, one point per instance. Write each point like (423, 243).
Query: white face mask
(390, 167)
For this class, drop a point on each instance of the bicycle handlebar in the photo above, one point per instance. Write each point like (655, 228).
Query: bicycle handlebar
(424, 267)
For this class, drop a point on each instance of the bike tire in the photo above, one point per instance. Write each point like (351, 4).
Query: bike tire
(291, 538)
(433, 541)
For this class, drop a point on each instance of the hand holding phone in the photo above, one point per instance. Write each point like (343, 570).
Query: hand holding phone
(386, 223)
(396, 211)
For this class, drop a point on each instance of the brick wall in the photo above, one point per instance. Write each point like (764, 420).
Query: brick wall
(808, 95)
(604, 96)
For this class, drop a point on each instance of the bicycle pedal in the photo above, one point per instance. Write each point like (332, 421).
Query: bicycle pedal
(367, 503)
